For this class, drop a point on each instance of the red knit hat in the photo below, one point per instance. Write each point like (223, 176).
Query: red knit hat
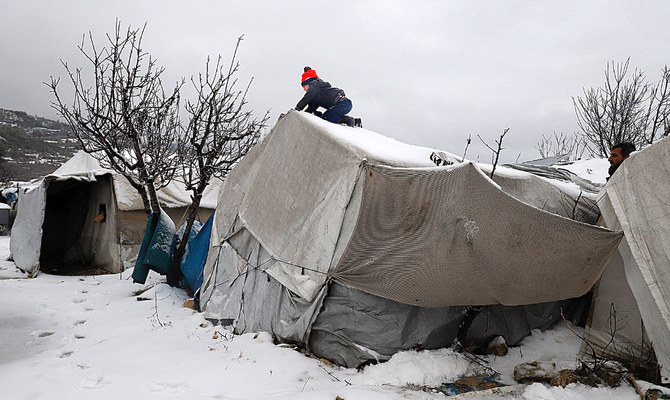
(309, 73)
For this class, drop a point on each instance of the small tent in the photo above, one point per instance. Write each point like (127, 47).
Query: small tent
(631, 306)
(358, 246)
(83, 215)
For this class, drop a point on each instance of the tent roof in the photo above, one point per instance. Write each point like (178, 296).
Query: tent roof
(383, 150)
(83, 166)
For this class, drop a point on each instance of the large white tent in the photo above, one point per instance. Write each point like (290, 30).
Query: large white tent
(56, 219)
(322, 223)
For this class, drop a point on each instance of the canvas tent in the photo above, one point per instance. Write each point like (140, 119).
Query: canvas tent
(56, 219)
(358, 246)
(636, 282)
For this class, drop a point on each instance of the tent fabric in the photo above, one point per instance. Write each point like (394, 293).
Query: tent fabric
(239, 291)
(26, 238)
(81, 165)
(576, 201)
(435, 239)
(346, 325)
(173, 196)
(316, 207)
(311, 212)
(636, 199)
(546, 171)
(615, 326)
(354, 327)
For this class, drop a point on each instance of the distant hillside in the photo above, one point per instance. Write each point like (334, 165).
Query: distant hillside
(31, 146)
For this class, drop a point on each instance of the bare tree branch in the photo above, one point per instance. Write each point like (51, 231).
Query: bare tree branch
(120, 113)
(496, 152)
(562, 145)
(467, 144)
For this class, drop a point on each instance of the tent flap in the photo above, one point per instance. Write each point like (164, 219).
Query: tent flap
(451, 237)
(26, 238)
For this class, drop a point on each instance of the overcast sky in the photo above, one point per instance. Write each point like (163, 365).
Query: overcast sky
(424, 72)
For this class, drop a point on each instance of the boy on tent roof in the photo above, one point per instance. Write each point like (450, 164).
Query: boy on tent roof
(320, 94)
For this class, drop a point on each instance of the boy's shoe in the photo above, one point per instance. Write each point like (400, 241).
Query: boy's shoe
(358, 123)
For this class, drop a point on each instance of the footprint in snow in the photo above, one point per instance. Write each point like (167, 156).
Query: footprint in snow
(172, 388)
(94, 382)
(66, 354)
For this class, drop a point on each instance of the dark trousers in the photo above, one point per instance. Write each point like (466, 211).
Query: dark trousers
(337, 113)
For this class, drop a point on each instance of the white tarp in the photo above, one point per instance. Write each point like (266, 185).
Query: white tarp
(26, 241)
(637, 199)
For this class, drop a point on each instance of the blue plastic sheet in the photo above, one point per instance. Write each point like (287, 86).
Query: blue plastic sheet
(193, 262)
(157, 247)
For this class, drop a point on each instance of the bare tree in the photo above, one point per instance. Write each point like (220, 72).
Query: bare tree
(123, 117)
(624, 110)
(221, 130)
(561, 144)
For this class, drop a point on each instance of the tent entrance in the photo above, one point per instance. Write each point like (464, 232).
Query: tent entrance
(69, 213)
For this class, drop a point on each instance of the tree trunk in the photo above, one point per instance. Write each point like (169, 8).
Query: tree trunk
(153, 197)
(174, 273)
(142, 190)
(145, 201)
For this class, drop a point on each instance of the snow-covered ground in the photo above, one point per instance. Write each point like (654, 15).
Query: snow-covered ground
(98, 337)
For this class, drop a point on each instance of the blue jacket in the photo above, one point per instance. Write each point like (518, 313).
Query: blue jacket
(319, 94)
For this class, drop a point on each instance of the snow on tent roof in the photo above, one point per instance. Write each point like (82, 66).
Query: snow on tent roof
(384, 150)
(83, 166)
(373, 146)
